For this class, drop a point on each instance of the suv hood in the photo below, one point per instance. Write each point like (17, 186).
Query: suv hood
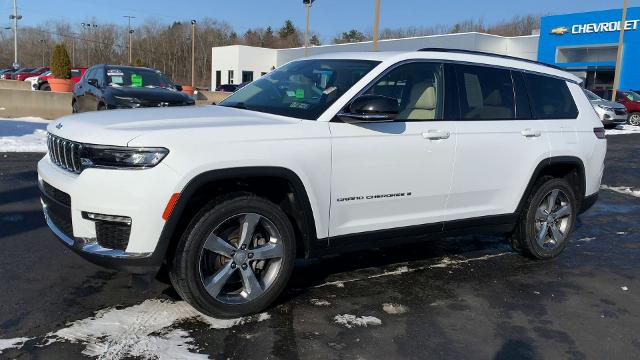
(610, 104)
(119, 127)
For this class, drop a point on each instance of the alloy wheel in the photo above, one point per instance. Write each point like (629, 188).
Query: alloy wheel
(553, 219)
(634, 119)
(241, 258)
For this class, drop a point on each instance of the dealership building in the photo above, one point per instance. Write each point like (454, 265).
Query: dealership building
(584, 44)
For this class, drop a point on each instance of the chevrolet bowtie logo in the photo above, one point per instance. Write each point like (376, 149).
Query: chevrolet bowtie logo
(559, 30)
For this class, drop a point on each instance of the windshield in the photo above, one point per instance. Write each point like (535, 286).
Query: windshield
(137, 77)
(633, 96)
(302, 89)
(591, 96)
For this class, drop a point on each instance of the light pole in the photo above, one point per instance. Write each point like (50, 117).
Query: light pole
(376, 26)
(44, 47)
(130, 35)
(88, 27)
(307, 5)
(15, 17)
(193, 53)
(616, 77)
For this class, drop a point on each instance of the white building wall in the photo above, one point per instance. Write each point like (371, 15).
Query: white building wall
(239, 58)
(259, 60)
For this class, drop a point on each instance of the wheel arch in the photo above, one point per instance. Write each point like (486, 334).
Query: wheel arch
(188, 201)
(570, 167)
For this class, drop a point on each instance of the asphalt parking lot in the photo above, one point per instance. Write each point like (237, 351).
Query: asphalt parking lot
(467, 297)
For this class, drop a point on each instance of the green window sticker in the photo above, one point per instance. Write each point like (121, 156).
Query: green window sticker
(300, 93)
(136, 80)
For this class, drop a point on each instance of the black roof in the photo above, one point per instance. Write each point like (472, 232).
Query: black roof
(475, 52)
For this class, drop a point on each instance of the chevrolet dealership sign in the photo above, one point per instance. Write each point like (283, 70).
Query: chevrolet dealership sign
(592, 28)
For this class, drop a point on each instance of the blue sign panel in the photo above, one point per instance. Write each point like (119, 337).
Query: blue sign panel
(588, 40)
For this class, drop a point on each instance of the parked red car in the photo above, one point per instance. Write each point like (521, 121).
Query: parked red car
(630, 100)
(43, 81)
(7, 74)
(21, 75)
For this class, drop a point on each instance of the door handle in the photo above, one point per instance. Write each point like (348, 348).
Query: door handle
(436, 135)
(531, 133)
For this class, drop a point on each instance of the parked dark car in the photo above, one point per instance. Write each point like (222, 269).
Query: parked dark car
(106, 87)
(6, 75)
(227, 87)
(22, 75)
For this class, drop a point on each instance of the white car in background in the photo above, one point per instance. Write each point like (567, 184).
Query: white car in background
(35, 80)
(610, 113)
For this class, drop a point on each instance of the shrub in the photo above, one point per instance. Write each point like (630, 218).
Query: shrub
(60, 63)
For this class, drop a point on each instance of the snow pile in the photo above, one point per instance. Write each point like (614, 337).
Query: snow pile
(319, 302)
(622, 190)
(350, 321)
(149, 330)
(394, 309)
(23, 135)
(6, 344)
(623, 130)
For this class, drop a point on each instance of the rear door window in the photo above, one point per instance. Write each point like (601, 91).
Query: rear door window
(550, 97)
(486, 93)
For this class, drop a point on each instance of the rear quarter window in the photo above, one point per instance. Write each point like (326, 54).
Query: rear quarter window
(550, 97)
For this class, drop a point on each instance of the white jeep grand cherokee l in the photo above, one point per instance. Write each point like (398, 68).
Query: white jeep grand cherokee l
(326, 154)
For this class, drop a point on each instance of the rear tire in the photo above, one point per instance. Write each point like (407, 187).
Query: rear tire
(45, 87)
(634, 119)
(102, 107)
(235, 258)
(547, 220)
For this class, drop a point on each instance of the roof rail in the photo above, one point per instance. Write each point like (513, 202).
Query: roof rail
(475, 52)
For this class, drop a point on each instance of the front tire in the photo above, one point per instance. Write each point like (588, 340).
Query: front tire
(634, 119)
(235, 258)
(548, 219)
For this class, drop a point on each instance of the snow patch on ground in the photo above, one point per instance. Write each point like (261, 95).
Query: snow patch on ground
(621, 190)
(587, 239)
(394, 309)
(623, 130)
(624, 288)
(320, 302)
(350, 321)
(149, 330)
(6, 344)
(443, 263)
(23, 135)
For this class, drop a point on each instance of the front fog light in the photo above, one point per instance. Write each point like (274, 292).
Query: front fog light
(109, 218)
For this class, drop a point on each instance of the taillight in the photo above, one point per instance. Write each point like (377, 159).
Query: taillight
(599, 131)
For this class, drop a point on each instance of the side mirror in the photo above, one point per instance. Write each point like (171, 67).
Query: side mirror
(93, 82)
(371, 108)
(178, 87)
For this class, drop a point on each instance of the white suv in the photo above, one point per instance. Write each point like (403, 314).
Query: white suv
(326, 154)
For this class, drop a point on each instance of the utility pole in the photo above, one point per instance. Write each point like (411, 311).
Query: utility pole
(376, 26)
(307, 5)
(130, 35)
(44, 46)
(616, 77)
(15, 17)
(193, 53)
(88, 27)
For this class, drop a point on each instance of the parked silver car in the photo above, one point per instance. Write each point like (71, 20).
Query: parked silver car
(611, 113)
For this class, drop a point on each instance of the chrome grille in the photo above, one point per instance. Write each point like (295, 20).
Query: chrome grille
(64, 153)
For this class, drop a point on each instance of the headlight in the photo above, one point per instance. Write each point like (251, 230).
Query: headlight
(605, 107)
(120, 157)
(128, 101)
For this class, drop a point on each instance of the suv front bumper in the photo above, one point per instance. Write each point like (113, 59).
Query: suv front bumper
(140, 195)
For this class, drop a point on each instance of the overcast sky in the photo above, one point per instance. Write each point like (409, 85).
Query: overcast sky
(328, 17)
